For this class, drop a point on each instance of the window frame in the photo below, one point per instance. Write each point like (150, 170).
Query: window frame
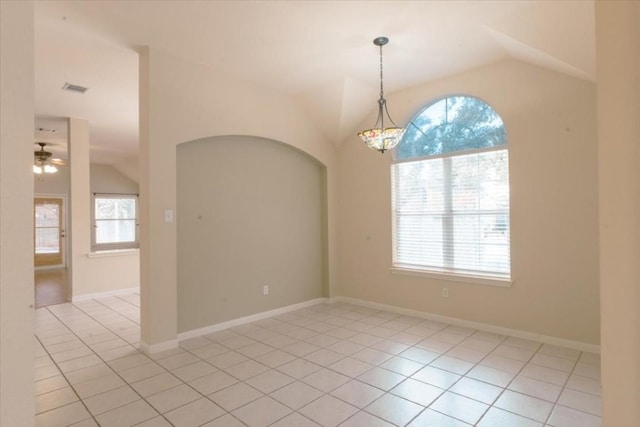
(113, 246)
(444, 273)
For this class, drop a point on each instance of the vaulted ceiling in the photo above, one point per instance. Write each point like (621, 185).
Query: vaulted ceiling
(318, 52)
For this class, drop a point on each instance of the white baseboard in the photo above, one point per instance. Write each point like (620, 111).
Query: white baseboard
(157, 348)
(576, 345)
(247, 319)
(96, 295)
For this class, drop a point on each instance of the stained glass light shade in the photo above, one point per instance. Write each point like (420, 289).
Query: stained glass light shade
(382, 139)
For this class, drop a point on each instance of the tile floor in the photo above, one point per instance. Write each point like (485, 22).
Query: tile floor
(326, 365)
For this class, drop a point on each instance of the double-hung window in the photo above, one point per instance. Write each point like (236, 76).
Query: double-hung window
(115, 221)
(450, 184)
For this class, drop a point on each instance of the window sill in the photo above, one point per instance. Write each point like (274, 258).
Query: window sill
(113, 252)
(477, 280)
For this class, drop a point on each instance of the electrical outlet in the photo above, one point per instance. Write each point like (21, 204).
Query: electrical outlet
(265, 290)
(445, 292)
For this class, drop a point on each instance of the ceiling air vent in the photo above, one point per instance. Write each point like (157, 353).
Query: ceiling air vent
(74, 88)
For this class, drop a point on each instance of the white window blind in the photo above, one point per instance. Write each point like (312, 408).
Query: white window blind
(451, 214)
(115, 221)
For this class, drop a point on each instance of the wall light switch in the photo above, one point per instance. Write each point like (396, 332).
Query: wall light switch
(168, 215)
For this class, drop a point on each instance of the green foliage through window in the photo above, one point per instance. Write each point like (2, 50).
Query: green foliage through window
(455, 123)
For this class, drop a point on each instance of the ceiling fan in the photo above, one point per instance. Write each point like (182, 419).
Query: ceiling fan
(44, 162)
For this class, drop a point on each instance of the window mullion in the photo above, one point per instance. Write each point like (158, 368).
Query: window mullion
(447, 219)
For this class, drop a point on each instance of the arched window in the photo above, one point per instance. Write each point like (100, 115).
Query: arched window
(451, 191)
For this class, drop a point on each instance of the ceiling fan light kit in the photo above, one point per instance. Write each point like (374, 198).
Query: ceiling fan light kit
(42, 161)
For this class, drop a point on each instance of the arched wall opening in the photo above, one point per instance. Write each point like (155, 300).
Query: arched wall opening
(251, 219)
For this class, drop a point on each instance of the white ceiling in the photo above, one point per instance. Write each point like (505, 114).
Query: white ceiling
(318, 52)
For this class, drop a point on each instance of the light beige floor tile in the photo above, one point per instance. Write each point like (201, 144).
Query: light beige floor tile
(567, 417)
(501, 363)
(491, 375)
(246, 370)
(535, 388)
(459, 407)
(155, 422)
(394, 409)
(226, 420)
(193, 343)
(296, 394)
(63, 416)
(112, 399)
(128, 415)
(417, 392)
(325, 380)
(346, 348)
(50, 384)
(562, 352)
(553, 362)
(299, 368)
(79, 363)
(173, 398)
(511, 352)
(585, 385)
(235, 396)
(155, 384)
(261, 412)
(177, 360)
(390, 347)
(194, 370)
(89, 422)
(141, 372)
(225, 360)
(584, 402)
(381, 378)
(402, 366)
(195, 413)
(324, 357)
(357, 393)
(350, 367)
(468, 354)
(372, 356)
(547, 375)
(328, 411)
(213, 382)
(437, 377)
(55, 399)
(295, 420)
(419, 355)
(365, 419)
(496, 417)
(275, 358)
(451, 364)
(527, 406)
(478, 390)
(128, 362)
(270, 381)
(209, 350)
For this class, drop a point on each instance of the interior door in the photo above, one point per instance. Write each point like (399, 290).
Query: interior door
(49, 231)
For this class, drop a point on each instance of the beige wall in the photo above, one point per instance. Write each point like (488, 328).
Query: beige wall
(90, 273)
(618, 53)
(103, 179)
(250, 215)
(107, 179)
(179, 102)
(17, 406)
(550, 122)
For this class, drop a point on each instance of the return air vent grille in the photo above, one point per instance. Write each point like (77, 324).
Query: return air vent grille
(74, 88)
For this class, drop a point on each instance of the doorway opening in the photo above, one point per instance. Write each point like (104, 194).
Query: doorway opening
(50, 278)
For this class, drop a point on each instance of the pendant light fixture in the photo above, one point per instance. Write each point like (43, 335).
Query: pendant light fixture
(379, 137)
